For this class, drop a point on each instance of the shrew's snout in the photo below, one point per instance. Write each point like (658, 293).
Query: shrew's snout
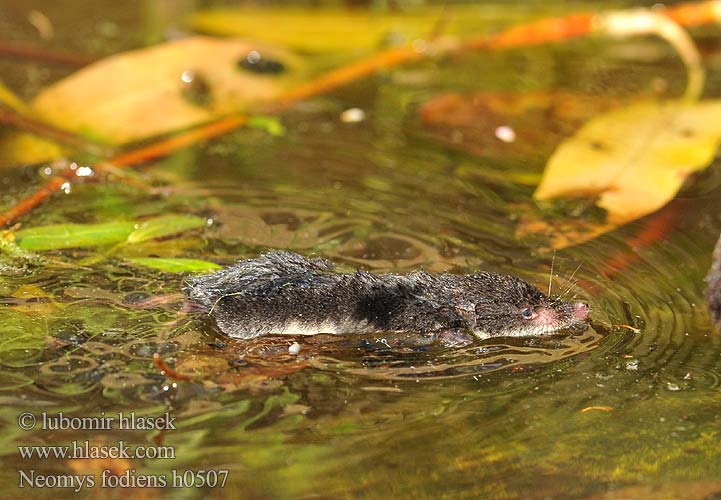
(580, 311)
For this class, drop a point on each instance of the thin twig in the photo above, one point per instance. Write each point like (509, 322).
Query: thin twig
(47, 131)
(21, 50)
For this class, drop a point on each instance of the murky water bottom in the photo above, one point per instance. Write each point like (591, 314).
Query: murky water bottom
(632, 401)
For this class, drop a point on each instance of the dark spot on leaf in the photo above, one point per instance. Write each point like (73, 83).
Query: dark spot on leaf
(255, 62)
(599, 146)
(195, 89)
(687, 132)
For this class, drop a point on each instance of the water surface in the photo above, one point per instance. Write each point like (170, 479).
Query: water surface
(632, 401)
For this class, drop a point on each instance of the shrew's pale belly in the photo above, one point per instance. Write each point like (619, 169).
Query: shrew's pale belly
(328, 327)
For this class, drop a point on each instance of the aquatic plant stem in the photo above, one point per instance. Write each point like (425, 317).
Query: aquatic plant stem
(25, 51)
(176, 142)
(166, 370)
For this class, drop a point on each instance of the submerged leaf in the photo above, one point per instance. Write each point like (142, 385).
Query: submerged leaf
(636, 158)
(22, 148)
(141, 93)
(327, 29)
(18, 147)
(167, 225)
(73, 235)
(176, 265)
(524, 125)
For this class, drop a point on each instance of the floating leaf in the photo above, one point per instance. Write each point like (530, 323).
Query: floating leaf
(350, 30)
(142, 93)
(73, 235)
(20, 148)
(316, 29)
(636, 158)
(160, 227)
(177, 265)
(16, 147)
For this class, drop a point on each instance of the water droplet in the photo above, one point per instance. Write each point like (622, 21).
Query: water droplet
(84, 172)
(505, 134)
(352, 115)
(253, 56)
(187, 76)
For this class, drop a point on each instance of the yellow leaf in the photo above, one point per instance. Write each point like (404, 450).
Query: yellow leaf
(336, 30)
(138, 94)
(17, 148)
(9, 99)
(20, 148)
(635, 158)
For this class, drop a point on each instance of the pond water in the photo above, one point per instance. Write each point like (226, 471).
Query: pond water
(632, 402)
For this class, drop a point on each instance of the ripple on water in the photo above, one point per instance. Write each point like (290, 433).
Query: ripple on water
(655, 299)
(400, 357)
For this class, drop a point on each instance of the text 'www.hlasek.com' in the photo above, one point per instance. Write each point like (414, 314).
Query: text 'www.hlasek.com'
(109, 464)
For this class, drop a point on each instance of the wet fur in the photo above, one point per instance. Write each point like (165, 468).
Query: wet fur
(282, 292)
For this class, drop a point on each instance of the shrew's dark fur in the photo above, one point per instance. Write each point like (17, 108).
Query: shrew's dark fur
(282, 292)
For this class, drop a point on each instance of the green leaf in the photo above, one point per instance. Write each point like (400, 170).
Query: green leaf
(176, 265)
(73, 235)
(60, 236)
(160, 227)
(269, 124)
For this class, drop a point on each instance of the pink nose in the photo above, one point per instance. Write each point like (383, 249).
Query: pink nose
(580, 310)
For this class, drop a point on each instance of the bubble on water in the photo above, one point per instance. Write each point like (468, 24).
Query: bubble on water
(505, 134)
(84, 172)
(352, 115)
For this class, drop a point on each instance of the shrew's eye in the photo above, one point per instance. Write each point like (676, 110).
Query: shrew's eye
(254, 61)
(527, 313)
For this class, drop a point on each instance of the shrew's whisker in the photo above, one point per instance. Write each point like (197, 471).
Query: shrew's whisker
(550, 277)
(570, 279)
